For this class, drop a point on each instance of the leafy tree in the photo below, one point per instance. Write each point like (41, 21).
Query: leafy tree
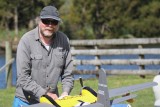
(5, 14)
(88, 19)
(20, 13)
(112, 18)
(74, 23)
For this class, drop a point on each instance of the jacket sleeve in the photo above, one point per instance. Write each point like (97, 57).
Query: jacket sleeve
(24, 79)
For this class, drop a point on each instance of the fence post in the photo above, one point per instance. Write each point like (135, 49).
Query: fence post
(141, 67)
(97, 57)
(8, 54)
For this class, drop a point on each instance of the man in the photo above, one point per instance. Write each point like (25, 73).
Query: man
(43, 56)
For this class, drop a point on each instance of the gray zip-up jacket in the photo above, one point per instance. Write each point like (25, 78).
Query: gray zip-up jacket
(39, 69)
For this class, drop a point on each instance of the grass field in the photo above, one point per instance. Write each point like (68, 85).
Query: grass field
(145, 98)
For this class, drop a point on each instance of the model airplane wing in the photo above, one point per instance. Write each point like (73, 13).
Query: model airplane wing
(122, 99)
(129, 89)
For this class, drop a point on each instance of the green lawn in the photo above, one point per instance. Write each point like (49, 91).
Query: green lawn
(6, 97)
(145, 98)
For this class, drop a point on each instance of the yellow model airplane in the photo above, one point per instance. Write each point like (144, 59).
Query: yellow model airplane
(89, 98)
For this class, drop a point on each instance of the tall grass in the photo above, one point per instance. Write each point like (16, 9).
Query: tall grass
(145, 97)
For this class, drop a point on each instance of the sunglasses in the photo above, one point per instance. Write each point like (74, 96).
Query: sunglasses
(48, 21)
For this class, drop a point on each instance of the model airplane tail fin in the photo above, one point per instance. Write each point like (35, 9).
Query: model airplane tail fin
(103, 92)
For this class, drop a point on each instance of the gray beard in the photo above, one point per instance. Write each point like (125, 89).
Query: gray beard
(47, 36)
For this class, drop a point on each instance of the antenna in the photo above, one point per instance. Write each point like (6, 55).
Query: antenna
(81, 81)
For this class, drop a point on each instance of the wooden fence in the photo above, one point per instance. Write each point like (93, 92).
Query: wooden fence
(98, 48)
(135, 46)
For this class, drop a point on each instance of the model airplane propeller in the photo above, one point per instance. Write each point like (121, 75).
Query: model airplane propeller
(89, 98)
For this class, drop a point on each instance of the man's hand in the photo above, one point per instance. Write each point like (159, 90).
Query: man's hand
(63, 95)
(53, 96)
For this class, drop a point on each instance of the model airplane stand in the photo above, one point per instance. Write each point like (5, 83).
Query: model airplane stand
(104, 95)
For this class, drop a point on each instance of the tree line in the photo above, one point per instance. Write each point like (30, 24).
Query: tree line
(87, 19)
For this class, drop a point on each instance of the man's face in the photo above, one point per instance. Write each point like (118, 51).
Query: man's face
(48, 27)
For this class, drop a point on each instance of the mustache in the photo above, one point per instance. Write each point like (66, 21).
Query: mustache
(49, 29)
